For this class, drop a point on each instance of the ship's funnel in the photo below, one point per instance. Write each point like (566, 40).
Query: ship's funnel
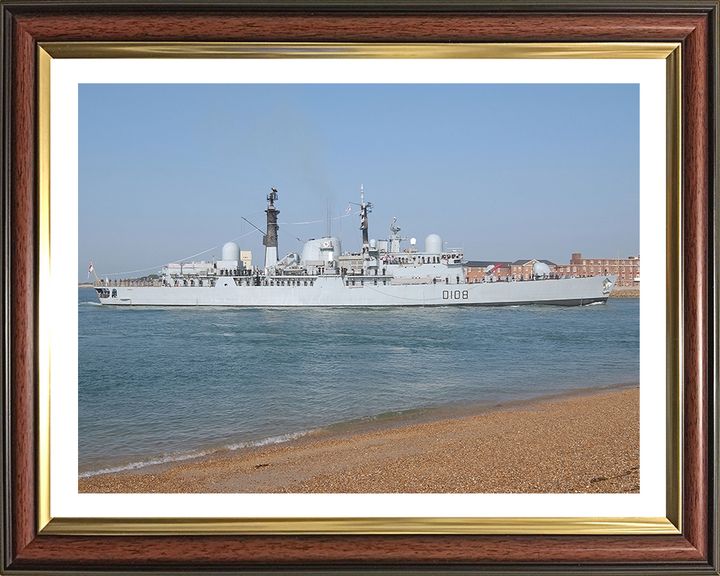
(321, 250)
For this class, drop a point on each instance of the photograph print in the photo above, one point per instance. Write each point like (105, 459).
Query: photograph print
(358, 288)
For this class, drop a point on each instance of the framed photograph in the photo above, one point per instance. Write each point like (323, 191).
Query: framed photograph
(82, 83)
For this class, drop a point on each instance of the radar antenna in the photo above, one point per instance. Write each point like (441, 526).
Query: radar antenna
(395, 238)
(394, 229)
(365, 209)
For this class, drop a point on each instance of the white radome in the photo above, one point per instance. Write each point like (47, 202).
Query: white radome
(540, 268)
(230, 251)
(433, 244)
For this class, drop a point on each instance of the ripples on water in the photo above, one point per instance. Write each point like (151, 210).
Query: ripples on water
(160, 384)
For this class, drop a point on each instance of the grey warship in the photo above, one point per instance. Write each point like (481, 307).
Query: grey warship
(383, 273)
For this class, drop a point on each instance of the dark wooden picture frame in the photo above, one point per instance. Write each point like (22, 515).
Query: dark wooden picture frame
(26, 24)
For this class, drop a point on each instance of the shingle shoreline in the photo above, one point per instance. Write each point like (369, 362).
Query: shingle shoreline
(586, 444)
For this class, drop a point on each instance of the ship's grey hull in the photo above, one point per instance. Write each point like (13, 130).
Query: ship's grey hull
(333, 291)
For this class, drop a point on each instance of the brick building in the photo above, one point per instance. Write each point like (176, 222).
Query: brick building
(476, 270)
(627, 269)
(523, 269)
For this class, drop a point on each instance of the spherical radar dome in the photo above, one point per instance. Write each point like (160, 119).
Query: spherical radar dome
(541, 268)
(433, 244)
(231, 251)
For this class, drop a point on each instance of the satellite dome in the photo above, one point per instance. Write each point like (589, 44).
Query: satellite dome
(541, 268)
(231, 251)
(433, 244)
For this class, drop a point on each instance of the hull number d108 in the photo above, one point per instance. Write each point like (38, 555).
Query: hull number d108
(455, 295)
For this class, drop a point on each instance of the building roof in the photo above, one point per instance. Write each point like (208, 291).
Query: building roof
(527, 262)
(483, 263)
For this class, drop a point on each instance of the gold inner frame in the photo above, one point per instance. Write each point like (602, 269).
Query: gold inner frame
(671, 524)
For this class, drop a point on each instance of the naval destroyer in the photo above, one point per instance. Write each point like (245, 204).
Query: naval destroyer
(381, 274)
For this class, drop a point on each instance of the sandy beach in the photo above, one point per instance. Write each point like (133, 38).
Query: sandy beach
(585, 444)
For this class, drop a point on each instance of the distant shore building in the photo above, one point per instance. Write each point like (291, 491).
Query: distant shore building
(246, 259)
(523, 269)
(476, 270)
(627, 269)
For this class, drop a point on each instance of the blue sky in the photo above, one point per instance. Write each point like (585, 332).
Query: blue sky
(501, 171)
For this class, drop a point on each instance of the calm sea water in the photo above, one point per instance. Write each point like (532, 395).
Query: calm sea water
(163, 384)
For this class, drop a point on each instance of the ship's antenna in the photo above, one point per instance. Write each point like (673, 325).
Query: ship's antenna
(365, 209)
(253, 225)
(394, 229)
(395, 238)
(329, 218)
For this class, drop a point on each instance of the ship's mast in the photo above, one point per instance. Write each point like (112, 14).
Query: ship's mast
(395, 238)
(365, 209)
(270, 240)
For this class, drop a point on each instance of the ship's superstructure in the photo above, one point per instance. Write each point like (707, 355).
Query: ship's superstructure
(383, 273)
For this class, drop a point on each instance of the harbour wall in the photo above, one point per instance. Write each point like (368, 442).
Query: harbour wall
(625, 292)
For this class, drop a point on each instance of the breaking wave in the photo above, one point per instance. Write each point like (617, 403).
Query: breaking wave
(199, 453)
